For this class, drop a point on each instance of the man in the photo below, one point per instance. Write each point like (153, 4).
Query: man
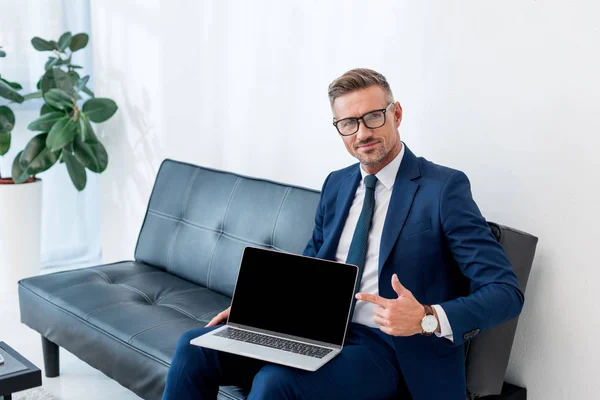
(432, 275)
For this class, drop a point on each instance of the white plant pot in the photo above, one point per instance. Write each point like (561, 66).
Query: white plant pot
(20, 231)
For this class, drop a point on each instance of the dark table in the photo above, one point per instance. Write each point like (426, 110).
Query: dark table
(17, 373)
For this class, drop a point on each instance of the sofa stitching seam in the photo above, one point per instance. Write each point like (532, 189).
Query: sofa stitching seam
(166, 296)
(95, 266)
(180, 310)
(138, 291)
(171, 246)
(183, 208)
(102, 274)
(97, 310)
(206, 315)
(285, 195)
(138, 275)
(156, 326)
(226, 234)
(212, 257)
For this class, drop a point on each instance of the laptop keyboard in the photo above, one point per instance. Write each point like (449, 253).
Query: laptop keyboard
(273, 342)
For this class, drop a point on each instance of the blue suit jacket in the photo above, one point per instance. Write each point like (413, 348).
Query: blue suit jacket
(443, 251)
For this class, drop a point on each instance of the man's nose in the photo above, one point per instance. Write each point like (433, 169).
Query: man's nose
(363, 132)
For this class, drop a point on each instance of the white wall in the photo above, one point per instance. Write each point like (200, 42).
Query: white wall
(507, 91)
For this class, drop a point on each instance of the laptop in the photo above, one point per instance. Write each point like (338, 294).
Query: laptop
(286, 309)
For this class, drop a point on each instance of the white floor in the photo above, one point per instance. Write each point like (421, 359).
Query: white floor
(77, 380)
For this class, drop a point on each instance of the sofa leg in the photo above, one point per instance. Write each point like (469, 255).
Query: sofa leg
(51, 358)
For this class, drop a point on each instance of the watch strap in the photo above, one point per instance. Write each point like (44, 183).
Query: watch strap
(428, 309)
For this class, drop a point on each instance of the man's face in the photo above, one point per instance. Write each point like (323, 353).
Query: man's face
(374, 148)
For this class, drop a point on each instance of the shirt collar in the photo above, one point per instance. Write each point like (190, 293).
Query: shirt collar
(387, 175)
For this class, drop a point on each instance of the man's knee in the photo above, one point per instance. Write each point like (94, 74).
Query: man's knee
(275, 381)
(185, 351)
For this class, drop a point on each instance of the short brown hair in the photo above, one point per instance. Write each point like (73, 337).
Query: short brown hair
(355, 79)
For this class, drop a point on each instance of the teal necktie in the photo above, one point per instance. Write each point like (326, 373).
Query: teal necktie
(358, 247)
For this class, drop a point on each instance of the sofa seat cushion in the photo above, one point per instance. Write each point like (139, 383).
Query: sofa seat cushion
(140, 305)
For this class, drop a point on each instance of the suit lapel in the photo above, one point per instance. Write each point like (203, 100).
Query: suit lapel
(402, 198)
(344, 200)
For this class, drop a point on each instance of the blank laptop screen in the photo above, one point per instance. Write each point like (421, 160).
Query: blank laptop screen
(295, 295)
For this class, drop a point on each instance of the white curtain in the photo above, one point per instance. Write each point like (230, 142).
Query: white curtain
(70, 219)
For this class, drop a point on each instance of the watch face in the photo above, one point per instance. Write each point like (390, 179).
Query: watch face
(429, 323)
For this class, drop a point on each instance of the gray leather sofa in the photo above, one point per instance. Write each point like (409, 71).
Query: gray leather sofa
(125, 318)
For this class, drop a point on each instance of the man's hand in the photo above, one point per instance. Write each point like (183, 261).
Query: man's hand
(220, 318)
(396, 317)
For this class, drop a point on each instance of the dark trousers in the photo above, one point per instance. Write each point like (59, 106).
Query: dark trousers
(365, 369)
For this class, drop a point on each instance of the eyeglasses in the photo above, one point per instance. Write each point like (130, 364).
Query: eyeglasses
(372, 120)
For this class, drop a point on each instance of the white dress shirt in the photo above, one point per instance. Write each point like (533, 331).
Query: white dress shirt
(363, 313)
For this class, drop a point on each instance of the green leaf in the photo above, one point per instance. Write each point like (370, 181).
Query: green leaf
(47, 109)
(81, 82)
(87, 132)
(41, 44)
(13, 85)
(79, 41)
(2, 53)
(64, 41)
(62, 133)
(4, 143)
(55, 62)
(100, 109)
(47, 81)
(88, 91)
(34, 95)
(74, 77)
(76, 66)
(53, 44)
(60, 99)
(76, 170)
(52, 61)
(37, 157)
(9, 93)
(46, 121)
(19, 175)
(63, 80)
(7, 119)
(92, 156)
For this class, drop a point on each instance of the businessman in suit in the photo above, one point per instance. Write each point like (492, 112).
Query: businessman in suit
(432, 275)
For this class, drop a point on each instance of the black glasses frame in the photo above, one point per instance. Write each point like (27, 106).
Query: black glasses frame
(361, 118)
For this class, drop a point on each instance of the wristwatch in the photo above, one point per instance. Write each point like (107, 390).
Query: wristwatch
(429, 323)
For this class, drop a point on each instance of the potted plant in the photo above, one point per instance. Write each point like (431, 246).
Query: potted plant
(20, 205)
(64, 134)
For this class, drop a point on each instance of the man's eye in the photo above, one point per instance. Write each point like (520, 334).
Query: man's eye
(374, 116)
(348, 123)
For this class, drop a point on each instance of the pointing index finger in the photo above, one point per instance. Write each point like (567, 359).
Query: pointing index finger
(372, 298)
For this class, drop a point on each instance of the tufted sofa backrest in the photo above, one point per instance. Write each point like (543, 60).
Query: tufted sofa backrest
(199, 220)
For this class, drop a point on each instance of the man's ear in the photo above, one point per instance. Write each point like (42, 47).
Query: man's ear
(397, 114)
